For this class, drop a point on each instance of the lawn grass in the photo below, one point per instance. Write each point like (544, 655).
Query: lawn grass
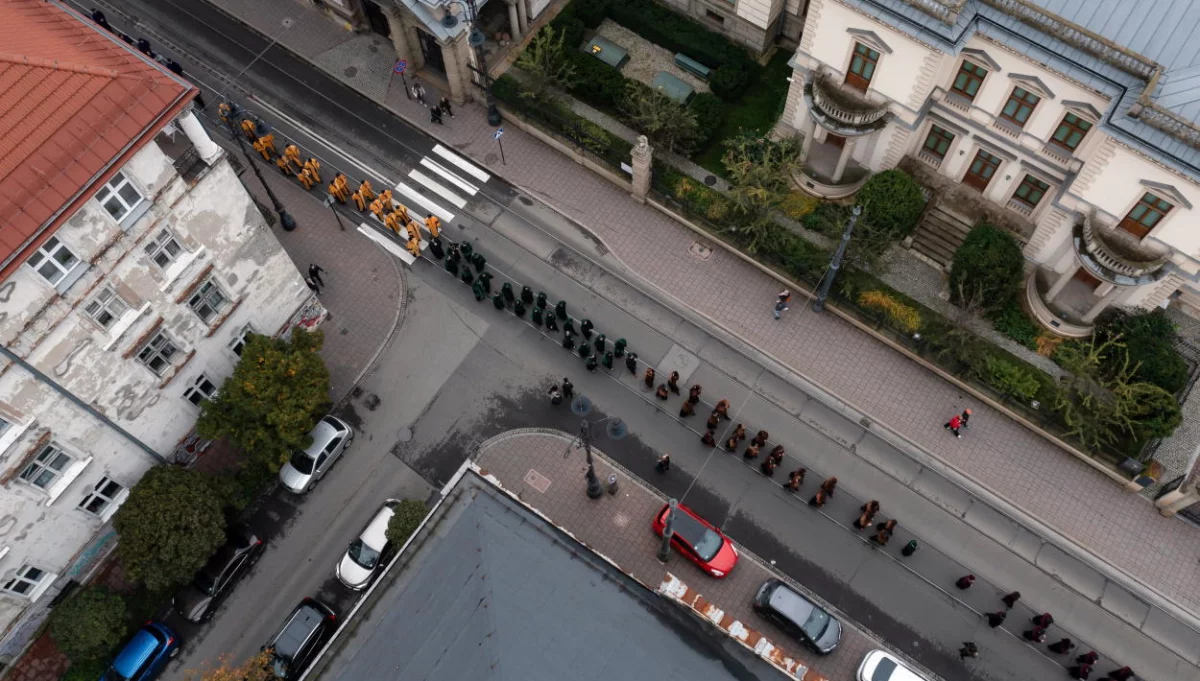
(760, 107)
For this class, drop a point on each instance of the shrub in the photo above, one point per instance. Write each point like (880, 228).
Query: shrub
(798, 205)
(729, 81)
(1149, 339)
(710, 113)
(507, 89)
(1012, 379)
(669, 125)
(1012, 321)
(90, 624)
(591, 12)
(900, 316)
(892, 202)
(989, 265)
(86, 670)
(596, 83)
(827, 218)
(408, 516)
(1153, 412)
(572, 31)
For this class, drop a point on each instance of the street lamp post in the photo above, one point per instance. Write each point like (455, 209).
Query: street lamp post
(475, 39)
(664, 550)
(329, 203)
(834, 265)
(594, 491)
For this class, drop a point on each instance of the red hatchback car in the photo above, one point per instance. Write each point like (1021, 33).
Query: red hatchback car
(702, 543)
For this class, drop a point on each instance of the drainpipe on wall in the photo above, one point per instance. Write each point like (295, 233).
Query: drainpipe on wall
(81, 404)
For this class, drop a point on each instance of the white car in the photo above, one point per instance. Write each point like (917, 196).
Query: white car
(879, 665)
(330, 437)
(362, 558)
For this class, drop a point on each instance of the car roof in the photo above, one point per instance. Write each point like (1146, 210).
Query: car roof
(326, 429)
(135, 653)
(299, 627)
(375, 533)
(790, 604)
(899, 672)
(688, 525)
(237, 543)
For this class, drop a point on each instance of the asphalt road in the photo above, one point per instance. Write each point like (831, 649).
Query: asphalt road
(460, 372)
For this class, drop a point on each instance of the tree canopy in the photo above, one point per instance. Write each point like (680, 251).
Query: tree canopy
(90, 624)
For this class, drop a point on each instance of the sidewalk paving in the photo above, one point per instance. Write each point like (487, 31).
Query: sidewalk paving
(531, 465)
(1063, 493)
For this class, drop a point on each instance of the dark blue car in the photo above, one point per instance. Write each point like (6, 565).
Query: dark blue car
(145, 655)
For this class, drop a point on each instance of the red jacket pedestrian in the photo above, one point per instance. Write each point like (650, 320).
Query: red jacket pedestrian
(1062, 647)
(1090, 657)
(1011, 599)
(965, 582)
(1081, 671)
(1043, 620)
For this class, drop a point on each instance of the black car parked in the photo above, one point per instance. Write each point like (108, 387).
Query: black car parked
(309, 626)
(198, 601)
(798, 616)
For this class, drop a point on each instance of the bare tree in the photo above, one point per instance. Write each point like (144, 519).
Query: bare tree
(545, 66)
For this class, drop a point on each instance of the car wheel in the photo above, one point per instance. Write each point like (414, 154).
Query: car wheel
(173, 653)
(310, 487)
(348, 443)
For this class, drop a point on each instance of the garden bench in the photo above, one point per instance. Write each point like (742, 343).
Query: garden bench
(692, 66)
(607, 51)
(672, 87)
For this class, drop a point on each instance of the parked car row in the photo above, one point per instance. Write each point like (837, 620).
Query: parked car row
(311, 623)
(706, 546)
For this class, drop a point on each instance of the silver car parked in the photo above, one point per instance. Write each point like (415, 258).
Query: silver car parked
(330, 437)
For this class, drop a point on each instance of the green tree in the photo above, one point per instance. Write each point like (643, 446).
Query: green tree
(1148, 340)
(989, 264)
(545, 66)
(408, 516)
(277, 392)
(257, 668)
(171, 523)
(669, 125)
(892, 202)
(760, 170)
(90, 624)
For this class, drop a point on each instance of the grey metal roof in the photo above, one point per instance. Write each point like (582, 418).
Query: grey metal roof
(496, 593)
(1166, 31)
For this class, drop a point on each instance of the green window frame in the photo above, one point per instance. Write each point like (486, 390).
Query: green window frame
(862, 67)
(1071, 131)
(1019, 106)
(969, 79)
(938, 141)
(1030, 191)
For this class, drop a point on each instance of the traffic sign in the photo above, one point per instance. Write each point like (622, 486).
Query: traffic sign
(498, 134)
(401, 66)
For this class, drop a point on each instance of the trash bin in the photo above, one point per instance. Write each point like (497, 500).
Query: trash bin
(612, 484)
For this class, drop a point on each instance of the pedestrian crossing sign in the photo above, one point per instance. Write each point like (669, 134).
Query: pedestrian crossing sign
(499, 133)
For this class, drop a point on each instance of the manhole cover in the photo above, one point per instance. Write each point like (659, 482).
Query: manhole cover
(710, 180)
(288, 22)
(537, 481)
(700, 250)
(405, 435)
(621, 520)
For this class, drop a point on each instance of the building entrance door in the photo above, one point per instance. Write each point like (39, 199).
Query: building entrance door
(835, 140)
(376, 18)
(1086, 277)
(981, 171)
(432, 51)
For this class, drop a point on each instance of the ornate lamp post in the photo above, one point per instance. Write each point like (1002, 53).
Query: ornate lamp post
(834, 265)
(476, 39)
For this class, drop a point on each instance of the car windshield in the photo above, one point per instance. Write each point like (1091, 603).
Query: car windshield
(364, 555)
(279, 665)
(704, 541)
(817, 621)
(883, 670)
(206, 583)
(302, 462)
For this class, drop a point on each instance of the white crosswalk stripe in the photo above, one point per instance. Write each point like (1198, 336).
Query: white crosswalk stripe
(413, 198)
(462, 163)
(450, 177)
(438, 189)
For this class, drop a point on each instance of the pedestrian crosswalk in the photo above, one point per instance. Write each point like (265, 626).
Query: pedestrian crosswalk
(446, 179)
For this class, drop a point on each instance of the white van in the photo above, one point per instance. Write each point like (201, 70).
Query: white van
(362, 558)
(878, 665)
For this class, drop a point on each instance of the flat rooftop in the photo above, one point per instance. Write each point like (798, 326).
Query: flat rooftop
(493, 591)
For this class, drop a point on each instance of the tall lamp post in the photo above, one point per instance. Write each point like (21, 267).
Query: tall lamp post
(616, 430)
(834, 265)
(285, 219)
(475, 39)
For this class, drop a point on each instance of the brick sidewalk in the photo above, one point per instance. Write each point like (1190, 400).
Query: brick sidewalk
(531, 465)
(1030, 473)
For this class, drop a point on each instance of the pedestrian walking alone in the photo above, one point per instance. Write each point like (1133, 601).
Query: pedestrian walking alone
(965, 582)
(555, 395)
(315, 271)
(418, 92)
(694, 393)
(953, 425)
(568, 388)
(648, 377)
(965, 416)
(444, 105)
(1080, 671)
(829, 486)
(312, 285)
(1011, 599)
(909, 548)
(995, 619)
(435, 115)
(1043, 620)
(664, 463)
(1090, 657)
(1036, 634)
(673, 382)
(795, 479)
(968, 649)
(782, 301)
(723, 409)
(686, 409)
(708, 440)
(661, 393)
(630, 362)
(1121, 674)
(1061, 647)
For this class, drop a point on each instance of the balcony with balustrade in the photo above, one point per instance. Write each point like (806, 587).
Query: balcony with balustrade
(841, 110)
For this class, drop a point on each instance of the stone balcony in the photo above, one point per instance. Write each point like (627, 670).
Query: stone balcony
(841, 110)
(1118, 258)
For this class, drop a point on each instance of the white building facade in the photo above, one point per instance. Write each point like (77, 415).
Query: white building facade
(122, 310)
(1079, 125)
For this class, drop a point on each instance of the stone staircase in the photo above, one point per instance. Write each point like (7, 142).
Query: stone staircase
(940, 234)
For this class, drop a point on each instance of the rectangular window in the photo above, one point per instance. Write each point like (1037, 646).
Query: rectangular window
(164, 249)
(25, 580)
(46, 467)
(119, 197)
(208, 301)
(1071, 131)
(201, 389)
(106, 308)
(1030, 191)
(157, 353)
(1020, 104)
(862, 67)
(239, 341)
(970, 77)
(53, 260)
(1145, 215)
(938, 141)
(100, 497)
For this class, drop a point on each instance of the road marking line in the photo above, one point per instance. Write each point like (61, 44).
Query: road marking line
(461, 163)
(438, 189)
(417, 198)
(389, 245)
(450, 177)
(367, 170)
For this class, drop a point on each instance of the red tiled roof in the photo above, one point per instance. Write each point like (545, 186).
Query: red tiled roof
(75, 103)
